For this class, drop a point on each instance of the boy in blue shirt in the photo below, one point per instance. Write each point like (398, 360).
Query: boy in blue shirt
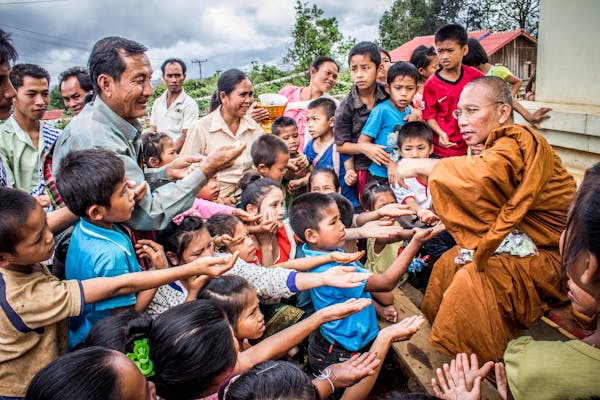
(402, 82)
(321, 151)
(93, 185)
(315, 218)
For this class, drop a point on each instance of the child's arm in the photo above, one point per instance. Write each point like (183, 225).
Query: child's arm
(375, 152)
(403, 330)
(425, 215)
(279, 344)
(389, 279)
(515, 83)
(350, 176)
(308, 263)
(60, 219)
(444, 139)
(154, 252)
(387, 211)
(98, 289)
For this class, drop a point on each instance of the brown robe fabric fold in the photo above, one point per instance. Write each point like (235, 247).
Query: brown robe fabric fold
(517, 182)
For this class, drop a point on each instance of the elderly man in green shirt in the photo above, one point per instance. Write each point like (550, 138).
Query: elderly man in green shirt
(121, 74)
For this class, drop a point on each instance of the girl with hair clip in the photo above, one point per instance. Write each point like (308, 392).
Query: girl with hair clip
(323, 74)
(192, 351)
(93, 373)
(227, 124)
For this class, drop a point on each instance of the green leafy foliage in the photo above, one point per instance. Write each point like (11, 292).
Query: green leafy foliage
(56, 100)
(313, 35)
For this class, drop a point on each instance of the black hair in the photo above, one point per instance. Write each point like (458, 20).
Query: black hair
(88, 177)
(327, 105)
(402, 68)
(82, 77)
(222, 224)
(326, 171)
(272, 380)
(229, 293)
(371, 192)
(20, 71)
(306, 212)
(414, 129)
(320, 60)
(171, 61)
(119, 331)
(226, 83)
(282, 122)
(266, 148)
(421, 56)
(255, 188)
(452, 32)
(107, 58)
(15, 208)
(152, 145)
(190, 345)
(582, 232)
(7, 50)
(176, 238)
(345, 208)
(366, 49)
(384, 51)
(83, 374)
(476, 55)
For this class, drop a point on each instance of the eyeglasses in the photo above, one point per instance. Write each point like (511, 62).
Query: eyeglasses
(469, 112)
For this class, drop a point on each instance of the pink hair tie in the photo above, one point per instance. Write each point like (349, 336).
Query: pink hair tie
(178, 219)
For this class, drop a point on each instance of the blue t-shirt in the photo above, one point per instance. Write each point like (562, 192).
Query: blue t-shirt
(98, 252)
(353, 332)
(379, 126)
(326, 161)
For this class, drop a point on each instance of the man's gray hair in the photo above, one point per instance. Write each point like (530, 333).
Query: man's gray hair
(497, 90)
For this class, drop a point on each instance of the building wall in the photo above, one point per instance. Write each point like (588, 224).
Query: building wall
(568, 80)
(568, 52)
(519, 56)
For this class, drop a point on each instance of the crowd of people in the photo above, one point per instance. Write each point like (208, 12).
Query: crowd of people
(205, 259)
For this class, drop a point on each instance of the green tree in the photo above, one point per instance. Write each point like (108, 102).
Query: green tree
(56, 100)
(403, 21)
(313, 35)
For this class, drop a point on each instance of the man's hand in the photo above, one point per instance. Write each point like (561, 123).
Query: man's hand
(427, 216)
(444, 140)
(180, 166)
(376, 153)
(221, 159)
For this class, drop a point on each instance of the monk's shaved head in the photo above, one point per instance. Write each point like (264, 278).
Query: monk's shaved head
(493, 88)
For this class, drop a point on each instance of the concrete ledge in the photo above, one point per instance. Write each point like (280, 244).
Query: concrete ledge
(574, 132)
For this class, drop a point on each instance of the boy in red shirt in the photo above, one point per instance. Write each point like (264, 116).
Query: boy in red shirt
(443, 89)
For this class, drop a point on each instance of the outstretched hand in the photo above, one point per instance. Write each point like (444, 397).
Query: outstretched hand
(452, 385)
(345, 258)
(356, 368)
(540, 115)
(343, 310)
(404, 329)
(344, 277)
(214, 266)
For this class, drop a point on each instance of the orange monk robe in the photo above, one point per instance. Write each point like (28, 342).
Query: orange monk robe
(516, 182)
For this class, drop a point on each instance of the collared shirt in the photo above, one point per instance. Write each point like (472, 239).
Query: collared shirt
(34, 307)
(22, 158)
(98, 252)
(210, 133)
(97, 126)
(174, 119)
(353, 332)
(350, 117)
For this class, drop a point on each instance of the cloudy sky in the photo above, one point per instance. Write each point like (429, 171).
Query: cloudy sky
(58, 34)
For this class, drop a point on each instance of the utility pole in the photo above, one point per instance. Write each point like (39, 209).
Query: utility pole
(199, 62)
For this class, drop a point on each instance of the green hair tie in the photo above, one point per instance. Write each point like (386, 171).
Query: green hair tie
(141, 357)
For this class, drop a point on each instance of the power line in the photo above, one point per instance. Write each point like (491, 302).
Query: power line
(45, 35)
(199, 62)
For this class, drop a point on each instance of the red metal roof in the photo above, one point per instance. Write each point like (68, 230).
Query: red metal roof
(491, 42)
(53, 114)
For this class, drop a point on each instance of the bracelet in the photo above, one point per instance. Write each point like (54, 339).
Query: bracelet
(325, 375)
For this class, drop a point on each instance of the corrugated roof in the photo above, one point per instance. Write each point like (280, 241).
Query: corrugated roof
(491, 42)
(53, 114)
